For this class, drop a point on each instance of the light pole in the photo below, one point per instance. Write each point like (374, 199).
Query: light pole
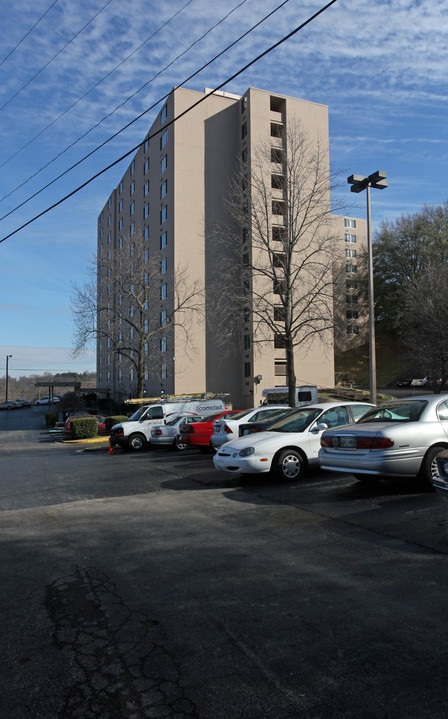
(358, 184)
(6, 383)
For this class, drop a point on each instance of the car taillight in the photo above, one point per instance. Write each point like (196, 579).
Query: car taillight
(227, 429)
(326, 441)
(373, 442)
(157, 432)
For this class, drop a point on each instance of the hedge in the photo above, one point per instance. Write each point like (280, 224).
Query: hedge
(115, 419)
(51, 418)
(83, 427)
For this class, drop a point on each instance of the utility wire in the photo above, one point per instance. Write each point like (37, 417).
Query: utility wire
(81, 137)
(28, 33)
(54, 56)
(175, 119)
(41, 132)
(112, 137)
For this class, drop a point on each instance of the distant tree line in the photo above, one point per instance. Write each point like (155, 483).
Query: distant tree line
(24, 387)
(410, 259)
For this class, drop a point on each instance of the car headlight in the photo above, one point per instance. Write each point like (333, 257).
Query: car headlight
(247, 451)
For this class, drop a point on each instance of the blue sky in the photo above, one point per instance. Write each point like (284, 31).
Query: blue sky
(382, 69)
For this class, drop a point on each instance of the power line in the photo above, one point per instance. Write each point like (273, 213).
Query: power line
(112, 137)
(28, 33)
(55, 56)
(171, 122)
(41, 132)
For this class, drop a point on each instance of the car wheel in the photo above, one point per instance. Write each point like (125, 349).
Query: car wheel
(136, 442)
(428, 470)
(179, 444)
(289, 465)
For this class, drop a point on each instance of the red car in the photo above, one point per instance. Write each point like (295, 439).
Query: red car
(101, 422)
(199, 433)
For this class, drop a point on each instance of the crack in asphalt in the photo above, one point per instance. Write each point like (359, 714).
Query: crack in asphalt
(117, 668)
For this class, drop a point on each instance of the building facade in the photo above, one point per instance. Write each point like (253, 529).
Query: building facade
(158, 262)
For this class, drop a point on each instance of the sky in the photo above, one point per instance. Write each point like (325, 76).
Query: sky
(74, 72)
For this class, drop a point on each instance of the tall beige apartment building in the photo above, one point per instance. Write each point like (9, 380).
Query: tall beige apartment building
(160, 222)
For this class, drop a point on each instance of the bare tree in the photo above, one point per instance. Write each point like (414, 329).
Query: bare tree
(280, 247)
(120, 305)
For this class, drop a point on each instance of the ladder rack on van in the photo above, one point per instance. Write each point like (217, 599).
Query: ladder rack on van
(176, 398)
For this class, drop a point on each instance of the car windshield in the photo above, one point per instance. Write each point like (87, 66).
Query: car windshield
(409, 411)
(210, 417)
(136, 416)
(296, 421)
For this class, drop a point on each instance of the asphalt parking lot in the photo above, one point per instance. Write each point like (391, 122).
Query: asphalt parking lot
(150, 585)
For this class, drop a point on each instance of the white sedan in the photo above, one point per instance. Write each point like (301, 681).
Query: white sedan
(227, 428)
(167, 435)
(291, 444)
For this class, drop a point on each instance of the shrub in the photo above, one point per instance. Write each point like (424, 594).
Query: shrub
(115, 419)
(83, 427)
(51, 418)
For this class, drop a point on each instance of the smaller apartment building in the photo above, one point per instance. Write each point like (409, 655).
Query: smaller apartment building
(158, 225)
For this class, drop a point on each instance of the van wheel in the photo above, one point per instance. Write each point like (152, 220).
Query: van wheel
(136, 442)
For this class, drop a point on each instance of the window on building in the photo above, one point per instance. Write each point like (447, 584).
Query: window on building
(349, 252)
(132, 208)
(146, 278)
(277, 155)
(350, 268)
(163, 318)
(163, 214)
(163, 344)
(101, 233)
(146, 188)
(146, 345)
(350, 238)
(247, 371)
(351, 314)
(279, 287)
(132, 228)
(109, 220)
(146, 233)
(120, 187)
(279, 313)
(109, 237)
(146, 211)
(163, 265)
(164, 371)
(146, 146)
(146, 255)
(164, 139)
(120, 206)
(349, 223)
(278, 208)
(163, 240)
(352, 330)
(244, 155)
(280, 368)
(132, 249)
(163, 291)
(146, 325)
(243, 130)
(279, 341)
(351, 299)
(132, 187)
(277, 129)
(163, 164)
(132, 168)
(247, 342)
(146, 166)
(120, 243)
(163, 189)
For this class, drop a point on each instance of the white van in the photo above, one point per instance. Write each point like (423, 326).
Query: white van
(135, 434)
(307, 394)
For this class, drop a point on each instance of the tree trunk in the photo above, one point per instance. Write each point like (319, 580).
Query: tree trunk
(290, 372)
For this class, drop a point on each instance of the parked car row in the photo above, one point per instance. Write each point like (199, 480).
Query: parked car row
(16, 404)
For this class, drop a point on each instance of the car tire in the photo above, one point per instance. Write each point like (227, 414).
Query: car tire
(136, 442)
(428, 469)
(289, 465)
(179, 444)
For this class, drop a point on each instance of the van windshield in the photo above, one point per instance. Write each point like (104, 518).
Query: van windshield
(136, 416)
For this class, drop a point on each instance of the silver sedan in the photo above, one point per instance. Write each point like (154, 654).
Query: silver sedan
(400, 438)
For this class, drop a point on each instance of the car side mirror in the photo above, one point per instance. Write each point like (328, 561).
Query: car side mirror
(319, 427)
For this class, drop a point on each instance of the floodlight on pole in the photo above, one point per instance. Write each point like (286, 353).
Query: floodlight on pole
(358, 184)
